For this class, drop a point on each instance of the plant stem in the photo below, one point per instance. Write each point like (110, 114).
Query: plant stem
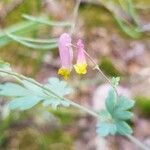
(137, 142)
(133, 139)
(101, 73)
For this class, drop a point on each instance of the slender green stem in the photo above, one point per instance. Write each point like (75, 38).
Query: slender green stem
(41, 41)
(133, 139)
(137, 142)
(101, 73)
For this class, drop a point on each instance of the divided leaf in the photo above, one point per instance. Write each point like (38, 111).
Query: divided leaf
(122, 107)
(104, 115)
(105, 128)
(113, 119)
(12, 90)
(23, 98)
(122, 115)
(23, 103)
(124, 103)
(28, 94)
(123, 128)
(59, 87)
(32, 87)
(110, 101)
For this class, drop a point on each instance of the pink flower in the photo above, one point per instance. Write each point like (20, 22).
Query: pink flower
(81, 65)
(66, 56)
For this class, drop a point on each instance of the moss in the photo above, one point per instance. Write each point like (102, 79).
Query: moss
(107, 66)
(143, 105)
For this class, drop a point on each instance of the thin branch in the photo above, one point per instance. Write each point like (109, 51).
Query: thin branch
(101, 73)
(137, 142)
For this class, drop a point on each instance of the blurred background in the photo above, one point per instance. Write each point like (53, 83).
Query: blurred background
(116, 34)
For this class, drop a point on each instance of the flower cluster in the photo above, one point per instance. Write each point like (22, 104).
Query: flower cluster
(66, 56)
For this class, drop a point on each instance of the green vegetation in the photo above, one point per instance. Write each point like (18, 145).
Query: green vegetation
(143, 105)
(107, 66)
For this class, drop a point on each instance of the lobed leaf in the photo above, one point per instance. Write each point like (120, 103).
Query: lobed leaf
(28, 94)
(23, 103)
(122, 115)
(110, 101)
(106, 128)
(114, 117)
(33, 88)
(104, 115)
(59, 87)
(124, 103)
(123, 128)
(12, 90)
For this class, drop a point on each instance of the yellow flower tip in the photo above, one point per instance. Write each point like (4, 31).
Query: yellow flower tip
(80, 68)
(64, 72)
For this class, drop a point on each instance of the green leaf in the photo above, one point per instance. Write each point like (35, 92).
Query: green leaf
(110, 101)
(59, 87)
(46, 21)
(112, 120)
(122, 115)
(12, 90)
(41, 41)
(104, 115)
(124, 103)
(123, 128)
(104, 129)
(23, 98)
(33, 88)
(115, 81)
(129, 7)
(23, 103)
(28, 94)
(44, 46)
(19, 28)
(132, 31)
